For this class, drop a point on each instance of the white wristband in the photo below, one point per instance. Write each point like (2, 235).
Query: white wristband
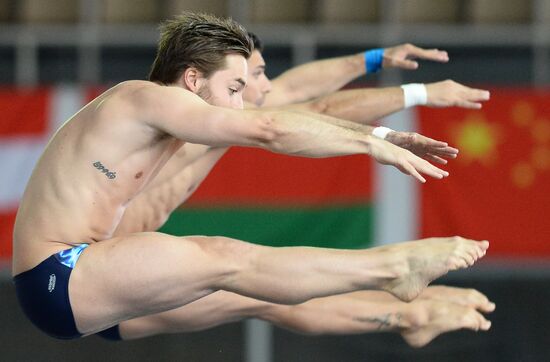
(415, 94)
(381, 132)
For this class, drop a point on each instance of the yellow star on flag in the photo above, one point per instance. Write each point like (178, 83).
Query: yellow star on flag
(477, 140)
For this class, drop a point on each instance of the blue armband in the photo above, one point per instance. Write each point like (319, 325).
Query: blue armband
(373, 60)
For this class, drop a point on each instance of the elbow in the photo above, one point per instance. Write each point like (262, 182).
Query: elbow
(267, 131)
(319, 106)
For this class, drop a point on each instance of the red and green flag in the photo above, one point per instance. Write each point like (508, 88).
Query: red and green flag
(272, 199)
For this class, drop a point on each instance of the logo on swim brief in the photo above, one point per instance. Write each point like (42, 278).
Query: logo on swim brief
(51, 283)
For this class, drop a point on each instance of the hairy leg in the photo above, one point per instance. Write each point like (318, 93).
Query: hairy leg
(146, 273)
(213, 310)
(418, 322)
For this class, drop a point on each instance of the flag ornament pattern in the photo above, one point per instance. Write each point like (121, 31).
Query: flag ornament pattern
(499, 188)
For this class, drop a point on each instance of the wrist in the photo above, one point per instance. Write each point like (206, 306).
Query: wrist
(381, 132)
(373, 60)
(414, 94)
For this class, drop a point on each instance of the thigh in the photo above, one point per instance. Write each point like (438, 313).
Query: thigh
(140, 274)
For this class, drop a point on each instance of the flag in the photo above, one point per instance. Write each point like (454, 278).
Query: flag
(499, 186)
(252, 194)
(29, 118)
(278, 200)
(22, 129)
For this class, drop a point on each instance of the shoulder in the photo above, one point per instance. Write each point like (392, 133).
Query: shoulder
(146, 94)
(144, 97)
(130, 89)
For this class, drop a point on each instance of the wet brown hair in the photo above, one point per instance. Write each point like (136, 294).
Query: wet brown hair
(258, 44)
(197, 40)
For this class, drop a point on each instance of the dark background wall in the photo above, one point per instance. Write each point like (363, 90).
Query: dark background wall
(519, 333)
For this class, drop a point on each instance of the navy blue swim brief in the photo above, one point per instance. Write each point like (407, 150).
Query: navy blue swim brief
(43, 294)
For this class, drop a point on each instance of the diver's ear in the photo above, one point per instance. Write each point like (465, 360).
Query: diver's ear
(192, 79)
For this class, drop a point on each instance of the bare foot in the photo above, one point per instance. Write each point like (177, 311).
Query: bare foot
(464, 296)
(430, 318)
(420, 262)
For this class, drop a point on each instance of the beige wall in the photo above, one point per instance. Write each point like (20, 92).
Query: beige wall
(47, 11)
(347, 11)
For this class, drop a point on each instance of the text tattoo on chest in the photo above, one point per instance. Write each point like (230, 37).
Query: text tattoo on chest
(110, 174)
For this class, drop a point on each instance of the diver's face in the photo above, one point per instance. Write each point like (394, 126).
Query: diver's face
(225, 87)
(258, 84)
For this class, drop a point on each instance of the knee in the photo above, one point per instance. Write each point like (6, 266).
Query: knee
(231, 253)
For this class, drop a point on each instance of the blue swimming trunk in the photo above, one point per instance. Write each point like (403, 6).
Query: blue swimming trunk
(43, 293)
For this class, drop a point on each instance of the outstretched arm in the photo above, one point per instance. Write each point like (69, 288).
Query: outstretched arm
(422, 146)
(187, 117)
(368, 105)
(317, 78)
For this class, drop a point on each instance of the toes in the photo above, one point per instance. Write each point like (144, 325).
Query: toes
(475, 321)
(471, 320)
(484, 245)
(480, 301)
(470, 259)
(457, 262)
(484, 324)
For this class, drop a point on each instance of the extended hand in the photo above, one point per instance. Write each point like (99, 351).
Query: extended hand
(404, 160)
(401, 56)
(449, 93)
(430, 149)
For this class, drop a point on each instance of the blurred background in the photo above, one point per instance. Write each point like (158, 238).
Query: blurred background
(56, 55)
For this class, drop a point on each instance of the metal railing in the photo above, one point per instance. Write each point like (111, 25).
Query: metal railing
(89, 35)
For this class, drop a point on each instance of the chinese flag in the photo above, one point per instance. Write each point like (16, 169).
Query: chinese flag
(499, 186)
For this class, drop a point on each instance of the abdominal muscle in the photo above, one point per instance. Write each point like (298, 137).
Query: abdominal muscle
(69, 202)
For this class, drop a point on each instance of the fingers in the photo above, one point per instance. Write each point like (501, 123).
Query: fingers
(435, 55)
(436, 159)
(416, 166)
(433, 143)
(472, 98)
(410, 170)
(400, 63)
(447, 152)
(468, 104)
(401, 56)
(429, 149)
(449, 93)
(427, 168)
(479, 95)
(439, 148)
